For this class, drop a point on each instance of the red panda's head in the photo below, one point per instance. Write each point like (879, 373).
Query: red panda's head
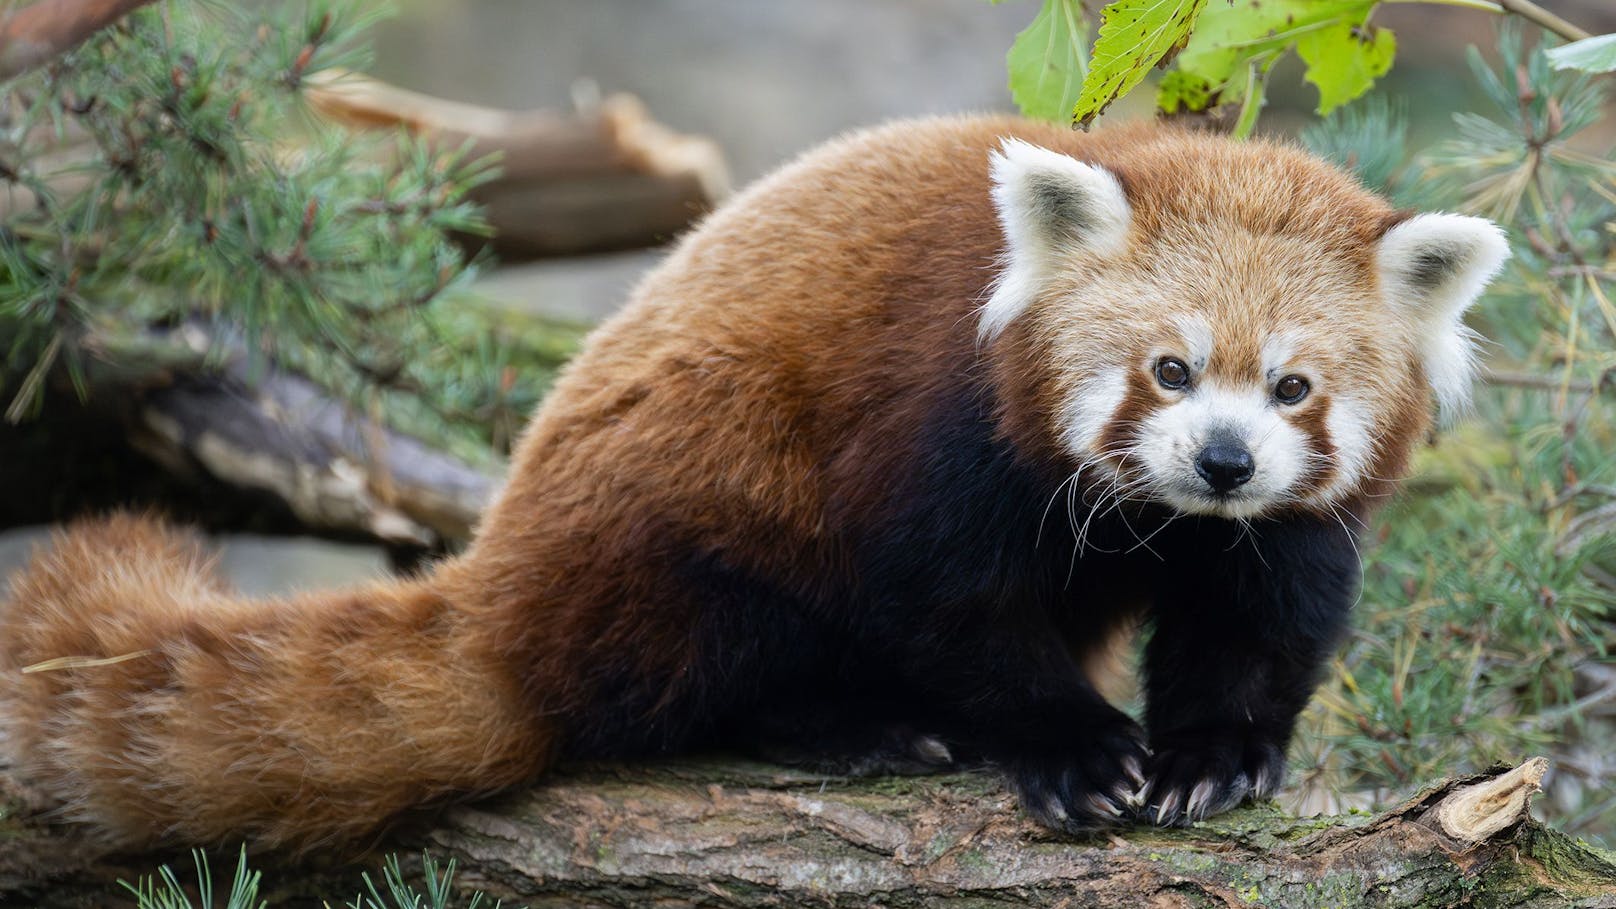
(1231, 329)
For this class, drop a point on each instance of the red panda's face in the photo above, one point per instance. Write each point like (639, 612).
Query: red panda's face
(1209, 364)
(1234, 426)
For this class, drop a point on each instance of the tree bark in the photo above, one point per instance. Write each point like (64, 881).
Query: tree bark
(338, 471)
(605, 176)
(729, 834)
(36, 34)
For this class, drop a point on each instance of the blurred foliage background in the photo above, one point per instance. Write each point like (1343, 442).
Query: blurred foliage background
(1488, 614)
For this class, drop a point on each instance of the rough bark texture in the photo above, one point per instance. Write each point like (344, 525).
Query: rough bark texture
(337, 471)
(605, 176)
(733, 834)
(38, 33)
(274, 434)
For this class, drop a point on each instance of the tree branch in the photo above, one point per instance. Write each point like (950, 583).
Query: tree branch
(604, 176)
(1516, 379)
(1544, 19)
(732, 834)
(41, 32)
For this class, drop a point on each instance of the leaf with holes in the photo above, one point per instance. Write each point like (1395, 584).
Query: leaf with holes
(1344, 55)
(1344, 60)
(1135, 35)
(1048, 61)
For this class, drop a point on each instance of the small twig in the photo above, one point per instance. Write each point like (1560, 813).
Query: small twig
(1526, 9)
(1596, 522)
(83, 662)
(1579, 271)
(1542, 18)
(1605, 382)
(1580, 489)
(1580, 707)
(39, 33)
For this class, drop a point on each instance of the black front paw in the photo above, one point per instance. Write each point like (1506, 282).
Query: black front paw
(1192, 778)
(1085, 785)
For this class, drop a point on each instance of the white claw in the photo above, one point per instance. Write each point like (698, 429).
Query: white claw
(1132, 770)
(1199, 800)
(1169, 806)
(1055, 809)
(1102, 805)
(932, 750)
(1267, 781)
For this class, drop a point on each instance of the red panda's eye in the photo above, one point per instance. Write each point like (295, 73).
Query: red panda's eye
(1291, 390)
(1172, 373)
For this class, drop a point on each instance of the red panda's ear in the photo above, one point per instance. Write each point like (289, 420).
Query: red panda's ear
(1433, 267)
(1051, 206)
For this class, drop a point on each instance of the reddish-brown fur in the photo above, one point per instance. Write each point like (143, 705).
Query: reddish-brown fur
(758, 397)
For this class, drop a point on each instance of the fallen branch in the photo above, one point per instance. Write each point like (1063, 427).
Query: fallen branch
(606, 176)
(735, 834)
(268, 439)
(40, 32)
(336, 470)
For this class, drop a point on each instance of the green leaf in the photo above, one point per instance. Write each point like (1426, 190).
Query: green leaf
(1591, 55)
(1343, 54)
(1135, 35)
(1048, 61)
(1179, 89)
(1344, 60)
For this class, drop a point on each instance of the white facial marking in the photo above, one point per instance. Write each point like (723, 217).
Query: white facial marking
(1351, 427)
(1091, 408)
(1197, 334)
(1277, 351)
(1172, 438)
(1053, 209)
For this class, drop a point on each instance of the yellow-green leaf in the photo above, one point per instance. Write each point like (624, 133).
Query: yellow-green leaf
(1233, 37)
(1048, 61)
(1179, 89)
(1344, 60)
(1135, 35)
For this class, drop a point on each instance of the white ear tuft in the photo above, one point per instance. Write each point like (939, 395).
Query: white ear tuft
(1050, 205)
(1434, 267)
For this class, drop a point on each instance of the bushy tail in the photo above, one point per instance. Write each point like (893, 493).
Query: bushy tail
(138, 695)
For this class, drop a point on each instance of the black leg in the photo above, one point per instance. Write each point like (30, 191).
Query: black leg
(1018, 699)
(1242, 631)
(827, 738)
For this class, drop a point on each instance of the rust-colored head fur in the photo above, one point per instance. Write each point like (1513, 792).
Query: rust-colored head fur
(1303, 325)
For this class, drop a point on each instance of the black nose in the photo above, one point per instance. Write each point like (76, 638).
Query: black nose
(1224, 466)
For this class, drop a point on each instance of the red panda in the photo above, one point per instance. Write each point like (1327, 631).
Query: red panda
(857, 476)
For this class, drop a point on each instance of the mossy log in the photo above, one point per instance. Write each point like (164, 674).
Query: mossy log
(728, 834)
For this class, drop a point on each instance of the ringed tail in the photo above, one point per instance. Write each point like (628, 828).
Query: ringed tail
(141, 696)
